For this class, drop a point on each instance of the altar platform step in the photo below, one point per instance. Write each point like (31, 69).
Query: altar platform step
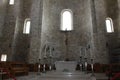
(74, 75)
(54, 75)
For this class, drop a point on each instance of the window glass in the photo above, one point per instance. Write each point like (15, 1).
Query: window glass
(66, 20)
(109, 25)
(26, 29)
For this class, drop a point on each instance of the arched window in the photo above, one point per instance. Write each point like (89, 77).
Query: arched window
(27, 23)
(11, 2)
(109, 25)
(66, 20)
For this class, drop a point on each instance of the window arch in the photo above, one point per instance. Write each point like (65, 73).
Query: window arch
(26, 29)
(66, 20)
(109, 25)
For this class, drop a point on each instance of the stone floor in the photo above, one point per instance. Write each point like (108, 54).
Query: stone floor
(53, 75)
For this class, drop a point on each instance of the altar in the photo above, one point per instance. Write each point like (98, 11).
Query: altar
(68, 66)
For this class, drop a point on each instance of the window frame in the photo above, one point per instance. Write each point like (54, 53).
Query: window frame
(61, 21)
(25, 26)
(111, 25)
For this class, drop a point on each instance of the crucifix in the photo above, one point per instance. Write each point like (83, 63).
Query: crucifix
(66, 44)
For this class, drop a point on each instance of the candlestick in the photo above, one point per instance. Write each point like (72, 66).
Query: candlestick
(80, 63)
(85, 65)
(44, 65)
(92, 67)
(44, 68)
(39, 67)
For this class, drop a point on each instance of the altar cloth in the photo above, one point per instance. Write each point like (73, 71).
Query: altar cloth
(65, 66)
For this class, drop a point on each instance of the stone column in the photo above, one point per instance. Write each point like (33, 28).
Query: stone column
(18, 27)
(36, 23)
(100, 51)
(93, 29)
(8, 28)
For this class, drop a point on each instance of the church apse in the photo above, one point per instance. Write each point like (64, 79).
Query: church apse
(88, 38)
(45, 29)
(67, 43)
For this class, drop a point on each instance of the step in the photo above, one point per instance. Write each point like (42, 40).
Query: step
(54, 75)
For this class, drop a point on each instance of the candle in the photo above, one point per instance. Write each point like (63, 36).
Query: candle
(44, 67)
(39, 66)
(86, 62)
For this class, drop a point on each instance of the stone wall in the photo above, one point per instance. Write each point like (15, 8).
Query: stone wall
(54, 37)
(89, 30)
(113, 13)
(3, 5)
(114, 38)
(13, 42)
(3, 9)
(7, 29)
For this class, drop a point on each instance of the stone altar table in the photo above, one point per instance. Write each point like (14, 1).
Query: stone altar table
(68, 66)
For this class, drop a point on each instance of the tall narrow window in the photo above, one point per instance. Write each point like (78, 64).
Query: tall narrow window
(11, 2)
(26, 29)
(3, 57)
(66, 20)
(109, 25)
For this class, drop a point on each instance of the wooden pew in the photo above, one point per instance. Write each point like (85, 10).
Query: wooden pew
(31, 67)
(18, 68)
(113, 69)
(98, 68)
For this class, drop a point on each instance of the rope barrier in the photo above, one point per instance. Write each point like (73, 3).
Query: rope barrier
(8, 73)
(117, 75)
